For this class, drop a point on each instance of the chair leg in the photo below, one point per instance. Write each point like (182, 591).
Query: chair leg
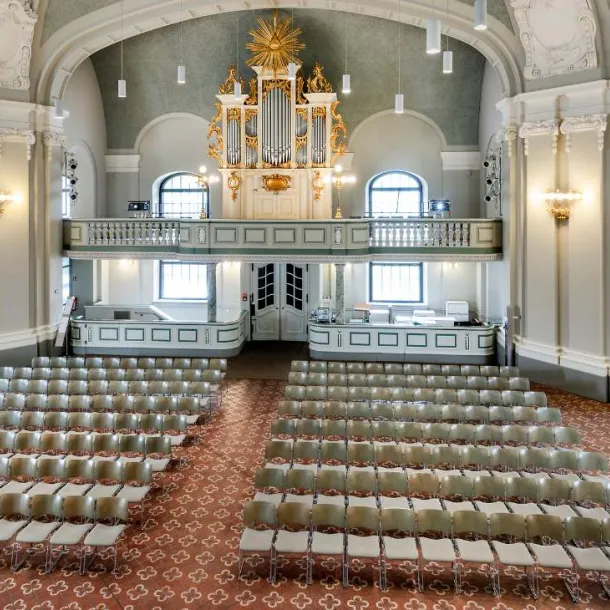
(570, 582)
(345, 570)
(240, 564)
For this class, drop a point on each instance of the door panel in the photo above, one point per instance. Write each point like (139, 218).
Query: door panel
(293, 308)
(266, 321)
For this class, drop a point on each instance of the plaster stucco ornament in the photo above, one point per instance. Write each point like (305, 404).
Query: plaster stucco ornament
(17, 21)
(558, 36)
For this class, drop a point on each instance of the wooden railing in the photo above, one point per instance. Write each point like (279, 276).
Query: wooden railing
(316, 240)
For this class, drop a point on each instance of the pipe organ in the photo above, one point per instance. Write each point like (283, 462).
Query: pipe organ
(285, 128)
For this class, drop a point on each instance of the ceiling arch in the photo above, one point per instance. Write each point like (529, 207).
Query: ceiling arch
(61, 54)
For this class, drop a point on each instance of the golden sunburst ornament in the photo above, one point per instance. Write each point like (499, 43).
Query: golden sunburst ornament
(275, 45)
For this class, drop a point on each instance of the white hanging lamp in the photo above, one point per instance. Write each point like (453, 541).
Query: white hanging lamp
(181, 67)
(399, 99)
(237, 85)
(122, 84)
(480, 14)
(433, 33)
(447, 54)
(346, 84)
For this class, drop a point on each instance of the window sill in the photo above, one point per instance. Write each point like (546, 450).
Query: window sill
(180, 302)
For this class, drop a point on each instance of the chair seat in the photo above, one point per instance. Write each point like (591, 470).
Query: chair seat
(384, 469)
(304, 499)
(448, 473)
(134, 493)
(362, 469)
(455, 506)
(432, 503)
(45, 489)
(400, 502)
(604, 479)
(515, 554)
(369, 502)
(400, 548)
(70, 533)
(177, 439)
(362, 546)
(274, 499)
(499, 474)
(191, 420)
(590, 559)
(312, 467)
(474, 551)
(36, 531)
(492, 507)
(291, 542)
(15, 487)
(9, 528)
(437, 550)
(124, 460)
(570, 477)
(411, 471)
(253, 540)
(327, 544)
(551, 556)
(335, 500)
(473, 474)
(528, 508)
(283, 467)
(103, 491)
(594, 513)
(158, 464)
(561, 510)
(339, 468)
(104, 535)
(536, 475)
(71, 489)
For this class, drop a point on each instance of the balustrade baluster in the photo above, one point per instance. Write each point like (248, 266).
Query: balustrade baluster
(467, 234)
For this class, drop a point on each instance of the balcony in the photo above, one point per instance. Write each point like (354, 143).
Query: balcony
(313, 241)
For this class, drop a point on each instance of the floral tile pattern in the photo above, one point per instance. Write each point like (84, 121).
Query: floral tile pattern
(186, 555)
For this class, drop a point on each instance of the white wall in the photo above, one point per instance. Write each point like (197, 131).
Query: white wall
(85, 131)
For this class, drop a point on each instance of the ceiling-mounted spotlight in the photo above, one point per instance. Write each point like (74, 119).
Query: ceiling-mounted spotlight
(433, 36)
(480, 14)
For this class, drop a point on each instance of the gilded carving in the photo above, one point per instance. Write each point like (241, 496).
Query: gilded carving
(215, 133)
(233, 114)
(318, 83)
(228, 87)
(250, 114)
(282, 84)
(317, 185)
(276, 183)
(253, 98)
(234, 182)
(300, 98)
(318, 112)
(338, 134)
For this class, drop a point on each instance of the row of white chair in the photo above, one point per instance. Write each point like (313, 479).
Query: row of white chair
(84, 523)
(442, 396)
(396, 368)
(398, 536)
(359, 380)
(422, 412)
(146, 388)
(417, 432)
(100, 374)
(114, 362)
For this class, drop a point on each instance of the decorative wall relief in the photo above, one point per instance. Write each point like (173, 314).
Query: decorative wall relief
(558, 36)
(591, 122)
(17, 21)
(539, 128)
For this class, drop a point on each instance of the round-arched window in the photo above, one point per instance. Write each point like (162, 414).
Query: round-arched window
(181, 196)
(395, 193)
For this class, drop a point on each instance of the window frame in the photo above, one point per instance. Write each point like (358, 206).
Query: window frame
(66, 264)
(162, 297)
(66, 204)
(205, 194)
(371, 189)
(422, 295)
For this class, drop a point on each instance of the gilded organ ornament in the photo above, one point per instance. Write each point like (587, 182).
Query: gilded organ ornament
(228, 87)
(276, 183)
(318, 83)
(253, 97)
(318, 186)
(234, 182)
(215, 135)
(275, 44)
(338, 136)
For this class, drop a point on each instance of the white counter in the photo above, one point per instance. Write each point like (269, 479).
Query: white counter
(402, 343)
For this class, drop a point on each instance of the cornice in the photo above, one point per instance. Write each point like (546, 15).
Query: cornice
(18, 135)
(593, 122)
(530, 129)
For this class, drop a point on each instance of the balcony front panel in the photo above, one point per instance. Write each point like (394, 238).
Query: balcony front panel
(308, 240)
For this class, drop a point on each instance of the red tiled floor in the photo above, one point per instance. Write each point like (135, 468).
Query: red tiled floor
(186, 556)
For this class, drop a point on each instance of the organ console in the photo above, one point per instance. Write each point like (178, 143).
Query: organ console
(290, 126)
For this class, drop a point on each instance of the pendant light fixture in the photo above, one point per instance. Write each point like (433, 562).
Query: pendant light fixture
(237, 85)
(433, 33)
(292, 67)
(122, 84)
(181, 66)
(447, 54)
(59, 109)
(480, 14)
(399, 100)
(346, 85)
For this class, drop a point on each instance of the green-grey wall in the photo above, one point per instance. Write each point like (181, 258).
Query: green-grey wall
(60, 12)
(452, 101)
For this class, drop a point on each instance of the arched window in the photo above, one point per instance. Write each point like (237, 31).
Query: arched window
(181, 196)
(395, 193)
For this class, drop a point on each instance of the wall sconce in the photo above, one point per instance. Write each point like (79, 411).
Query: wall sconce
(558, 203)
(7, 197)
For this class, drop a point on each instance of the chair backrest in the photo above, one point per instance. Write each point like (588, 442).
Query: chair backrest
(132, 444)
(266, 478)
(392, 483)
(294, 514)
(470, 522)
(336, 367)
(278, 450)
(15, 505)
(107, 402)
(79, 444)
(589, 493)
(507, 524)
(433, 521)
(53, 442)
(424, 484)
(111, 509)
(260, 513)
(359, 518)
(22, 467)
(106, 443)
(360, 454)
(522, 489)
(583, 529)
(544, 529)
(318, 366)
(306, 451)
(398, 521)
(383, 430)
(490, 488)
(328, 515)
(80, 470)
(79, 508)
(158, 445)
(76, 375)
(450, 369)
(393, 368)
(137, 473)
(27, 441)
(108, 470)
(361, 483)
(331, 480)
(457, 488)
(313, 409)
(469, 397)
(300, 480)
(554, 491)
(47, 506)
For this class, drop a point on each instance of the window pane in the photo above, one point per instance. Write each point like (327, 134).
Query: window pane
(181, 196)
(65, 278)
(183, 281)
(396, 283)
(396, 194)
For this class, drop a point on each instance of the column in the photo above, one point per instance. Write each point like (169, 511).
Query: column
(340, 291)
(211, 268)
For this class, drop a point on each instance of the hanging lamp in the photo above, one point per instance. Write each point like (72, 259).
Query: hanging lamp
(433, 33)
(480, 14)
(447, 54)
(399, 100)
(346, 84)
(122, 84)
(181, 67)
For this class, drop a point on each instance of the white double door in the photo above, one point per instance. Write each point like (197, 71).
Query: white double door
(279, 302)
